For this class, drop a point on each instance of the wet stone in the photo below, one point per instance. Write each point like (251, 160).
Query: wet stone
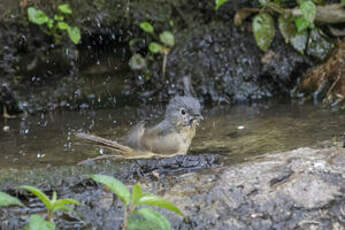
(182, 163)
(298, 189)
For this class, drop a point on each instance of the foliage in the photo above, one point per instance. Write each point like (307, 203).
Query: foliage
(54, 26)
(167, 38)
(157, 44)
(147, 27)
(138, 198)
(263, 29)
(219, 3)
(7, 200)
(134, 217)
(306, 21)
(52, 205)
(37, 222)
(294, 28)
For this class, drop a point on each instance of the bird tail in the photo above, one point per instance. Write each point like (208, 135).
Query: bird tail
(125, 150)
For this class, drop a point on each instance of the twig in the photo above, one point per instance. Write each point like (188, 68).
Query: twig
(164, 65)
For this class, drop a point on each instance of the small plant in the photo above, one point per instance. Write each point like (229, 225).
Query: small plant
(138, 198)
(294, 24)
(54, 205)
(157, 44)
(7, 200)
(219, 3)
(54, 26)
(37, 222)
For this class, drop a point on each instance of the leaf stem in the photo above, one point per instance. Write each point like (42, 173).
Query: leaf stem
(125, 219)
(49, 215)
(164, 64)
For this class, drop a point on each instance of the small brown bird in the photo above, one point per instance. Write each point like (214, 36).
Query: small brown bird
(172, 136)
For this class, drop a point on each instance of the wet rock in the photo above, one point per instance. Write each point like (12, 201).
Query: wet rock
(224, 63)
(179, 164)
(284, 190)
(222, 60)
(299, 189)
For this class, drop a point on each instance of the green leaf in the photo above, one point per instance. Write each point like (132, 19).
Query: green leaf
(154, 47)
(150, 199)
(38, 223)
(6, 200)
(308, 10)
(37, 192)
(116, 186)
(167, 38)
(50, 23)
(66, 201)
(342, 1)
(58, 17)
(302, 24)
(319, 45)
(147, 27)
(63, 26)
(37, 16)
(155, 217)
(138, 222)
(287, 27)
(74, 34)
(63, 208)
(136, 193)
(137, 62)
(54, 197)
(64, 8)
(299, 41)
(264, 2)
(219, 3)
(263, 29)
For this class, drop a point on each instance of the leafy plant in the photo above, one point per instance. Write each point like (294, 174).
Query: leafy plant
(138, 198)
(52, 205)
(306, 20)
(219, 3)
(263, 29)
(157, 44)
(293, 26)
(7, 200)
(37, 222)
(54, 26)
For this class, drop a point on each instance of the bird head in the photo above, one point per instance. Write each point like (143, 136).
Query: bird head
(183, 111)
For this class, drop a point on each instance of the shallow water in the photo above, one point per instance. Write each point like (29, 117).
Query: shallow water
(236, 132)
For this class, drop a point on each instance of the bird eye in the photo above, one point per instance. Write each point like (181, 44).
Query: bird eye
(183, 112)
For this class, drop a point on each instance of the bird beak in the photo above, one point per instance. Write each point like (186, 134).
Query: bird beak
(196, 119)
(199, 116)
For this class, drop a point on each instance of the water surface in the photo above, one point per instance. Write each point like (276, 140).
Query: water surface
(236, 132)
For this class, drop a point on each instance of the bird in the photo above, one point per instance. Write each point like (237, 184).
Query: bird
(171, 136)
